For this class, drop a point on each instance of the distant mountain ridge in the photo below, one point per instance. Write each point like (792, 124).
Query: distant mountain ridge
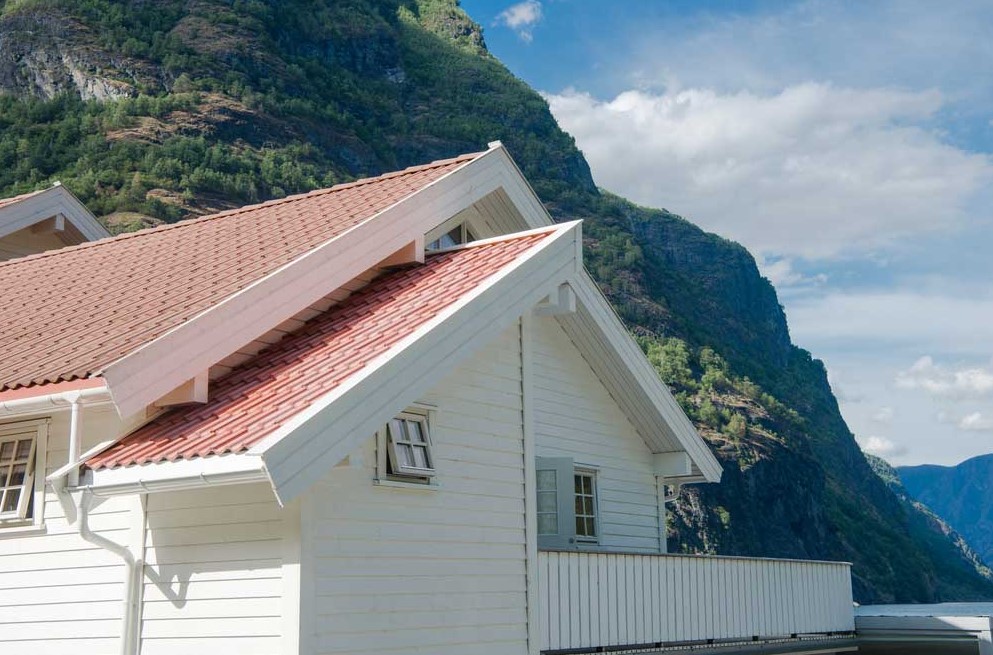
(157, 110)
(960, 494)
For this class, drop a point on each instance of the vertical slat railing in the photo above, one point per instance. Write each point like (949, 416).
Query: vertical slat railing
(591, 600)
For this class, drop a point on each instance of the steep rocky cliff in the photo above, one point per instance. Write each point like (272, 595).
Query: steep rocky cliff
(155, 110)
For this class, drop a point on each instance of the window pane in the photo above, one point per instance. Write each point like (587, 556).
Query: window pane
(23, 449)
(579, 504)
(405, 454)
(588, 509)
(579, 484)
(397, 431)
(17, 476)
(590, 527)
(10, 500)
(546, 480)
(420, 457)
(580, 527)
(548, 524)
(416, 431)
(6, 451)
(546, 501)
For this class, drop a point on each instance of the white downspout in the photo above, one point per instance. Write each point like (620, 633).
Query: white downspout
(132, 566)
(74, 441)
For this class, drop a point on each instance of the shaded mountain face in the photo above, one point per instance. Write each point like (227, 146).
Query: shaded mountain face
(157, 110)
(962, 495)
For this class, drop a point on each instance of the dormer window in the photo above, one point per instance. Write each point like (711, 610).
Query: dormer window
(455, 237)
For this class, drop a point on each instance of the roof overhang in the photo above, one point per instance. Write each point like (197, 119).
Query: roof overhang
(150, 372)
(54, 202)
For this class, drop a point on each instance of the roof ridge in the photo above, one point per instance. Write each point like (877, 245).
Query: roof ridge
(246, 208)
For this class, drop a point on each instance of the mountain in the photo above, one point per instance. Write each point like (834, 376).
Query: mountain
(154, 110)
(961, 494)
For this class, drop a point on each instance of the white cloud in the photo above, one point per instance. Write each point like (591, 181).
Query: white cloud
(782, 274)
(814, 171)
(883, 415)
(882, 447)
(976, 422)
(521, 18)
(943, 382)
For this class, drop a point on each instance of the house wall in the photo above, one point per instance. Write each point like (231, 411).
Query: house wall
(575, 416)
(213, 580)
(429, 570)
(58, 592)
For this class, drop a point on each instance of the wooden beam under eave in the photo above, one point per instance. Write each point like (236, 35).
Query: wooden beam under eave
(412, 253)
(56, 223)
(191, 391)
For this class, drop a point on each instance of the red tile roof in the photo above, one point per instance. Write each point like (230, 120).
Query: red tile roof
(252, 401)
(69, 313)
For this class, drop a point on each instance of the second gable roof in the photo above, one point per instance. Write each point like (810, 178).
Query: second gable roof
(69, 313)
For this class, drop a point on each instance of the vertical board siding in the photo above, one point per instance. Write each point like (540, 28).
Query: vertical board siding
(58, 592)
(213, 572)
(431, 570)
(575, 416)
(592, 600)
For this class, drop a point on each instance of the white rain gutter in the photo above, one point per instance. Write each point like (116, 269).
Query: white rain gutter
(180, 475)
(54, 401)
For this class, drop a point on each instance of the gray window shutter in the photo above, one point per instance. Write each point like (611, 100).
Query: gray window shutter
(556, 502)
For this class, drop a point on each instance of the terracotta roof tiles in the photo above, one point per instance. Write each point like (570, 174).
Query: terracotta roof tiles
(67, 314)
(254, 400)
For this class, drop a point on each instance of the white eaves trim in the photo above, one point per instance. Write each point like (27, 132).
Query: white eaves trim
(53, 201)
(141, 377)
(631, 379)
(303, 450)
(175, 476)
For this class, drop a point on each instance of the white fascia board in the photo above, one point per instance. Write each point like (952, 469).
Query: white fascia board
(141, 377)
(175, 476)
(636, 384)
(520, 190)
(306, 448)
(45, 204)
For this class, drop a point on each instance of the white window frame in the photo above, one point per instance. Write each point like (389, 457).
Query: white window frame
(434, 237)
(591, 473)
(33, 490)
(389, 472)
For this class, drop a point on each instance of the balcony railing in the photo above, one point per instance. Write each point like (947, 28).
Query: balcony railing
(606, 601)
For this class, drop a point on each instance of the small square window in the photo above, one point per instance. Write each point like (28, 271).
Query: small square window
(408, 445)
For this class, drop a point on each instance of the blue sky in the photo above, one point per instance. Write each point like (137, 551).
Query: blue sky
(848, 145)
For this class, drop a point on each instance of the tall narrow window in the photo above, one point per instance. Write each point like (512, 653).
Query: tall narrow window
(17, 470)
(585, 485)
(547, 492)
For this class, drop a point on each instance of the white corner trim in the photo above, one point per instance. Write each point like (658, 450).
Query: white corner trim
(146, 374)
(175, 476)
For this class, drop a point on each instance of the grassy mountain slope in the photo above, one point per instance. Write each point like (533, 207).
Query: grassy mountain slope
(961, 494)
(155, 110)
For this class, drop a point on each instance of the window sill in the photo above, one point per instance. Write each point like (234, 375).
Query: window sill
(20, 529)
(399, 484)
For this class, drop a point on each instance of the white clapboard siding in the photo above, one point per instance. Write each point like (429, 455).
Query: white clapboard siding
(440, 570)
(58, 592)
(575, 416)
(592, 600)
(213, 572)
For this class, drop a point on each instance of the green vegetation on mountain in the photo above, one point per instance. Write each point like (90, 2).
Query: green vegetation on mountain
(157, 110)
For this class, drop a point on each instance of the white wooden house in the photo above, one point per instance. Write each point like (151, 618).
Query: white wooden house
(393, 416)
